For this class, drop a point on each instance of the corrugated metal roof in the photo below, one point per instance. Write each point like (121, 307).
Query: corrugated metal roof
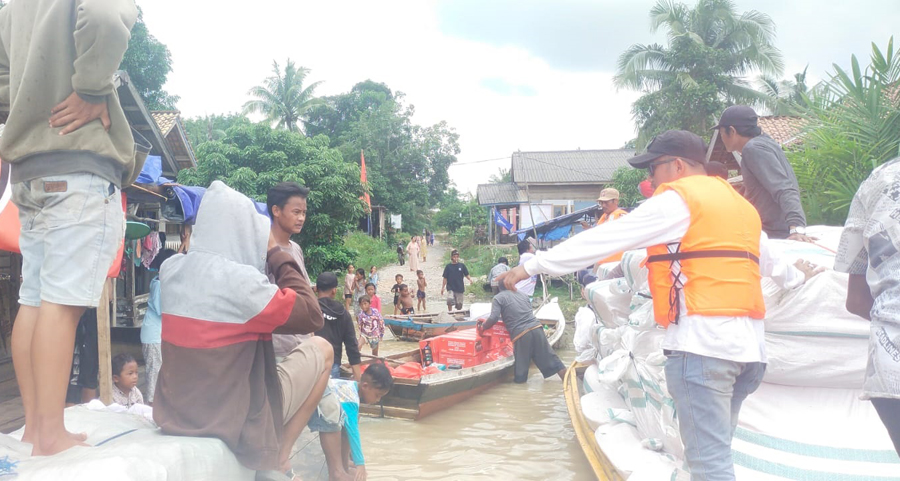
(568, 166)
(500, 194)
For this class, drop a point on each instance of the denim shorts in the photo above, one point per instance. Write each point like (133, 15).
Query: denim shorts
(329, 416)
(72, 228)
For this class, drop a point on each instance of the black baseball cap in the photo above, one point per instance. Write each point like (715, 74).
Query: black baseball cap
(326, 281)
(737, 116)
(679, 143)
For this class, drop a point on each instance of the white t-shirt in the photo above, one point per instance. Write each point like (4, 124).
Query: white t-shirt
(526, 286)
(869, 245)
(664, 219)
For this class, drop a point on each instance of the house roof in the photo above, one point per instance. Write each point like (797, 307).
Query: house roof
(169, 123)
(568, 166)
(141, 121)
(165, 119)
(506, 193)
(785, 130)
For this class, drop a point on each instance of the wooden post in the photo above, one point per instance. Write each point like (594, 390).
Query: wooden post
(104, 348)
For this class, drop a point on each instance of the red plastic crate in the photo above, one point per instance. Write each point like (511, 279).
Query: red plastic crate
(455, 359)
(465, 342)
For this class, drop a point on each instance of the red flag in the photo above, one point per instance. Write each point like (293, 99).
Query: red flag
(9, 214)
(364, 181)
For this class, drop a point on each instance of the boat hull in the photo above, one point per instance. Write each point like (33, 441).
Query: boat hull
(417, 398)
(600, 464)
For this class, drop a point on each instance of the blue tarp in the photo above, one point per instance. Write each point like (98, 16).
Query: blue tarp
(151, 171)
(558, 228)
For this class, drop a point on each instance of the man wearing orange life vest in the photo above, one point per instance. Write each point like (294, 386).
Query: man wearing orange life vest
(707, 254)
(609, 202)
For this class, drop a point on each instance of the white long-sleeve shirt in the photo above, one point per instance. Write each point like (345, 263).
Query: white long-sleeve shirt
(664, 219)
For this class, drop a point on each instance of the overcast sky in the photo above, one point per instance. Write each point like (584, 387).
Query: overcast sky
(507, 74)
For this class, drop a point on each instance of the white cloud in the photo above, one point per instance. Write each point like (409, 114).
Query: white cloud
(222, 48)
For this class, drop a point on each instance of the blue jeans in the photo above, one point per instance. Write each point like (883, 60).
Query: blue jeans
(335, 371)
(708, 393)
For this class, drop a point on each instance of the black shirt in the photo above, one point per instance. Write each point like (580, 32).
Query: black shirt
(338, 330)
(454, 273)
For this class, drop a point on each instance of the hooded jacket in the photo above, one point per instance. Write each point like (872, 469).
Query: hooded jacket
(339, 330)
(218, 314)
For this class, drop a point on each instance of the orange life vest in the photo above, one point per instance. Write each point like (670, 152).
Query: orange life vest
(719, 255)
(606, 218)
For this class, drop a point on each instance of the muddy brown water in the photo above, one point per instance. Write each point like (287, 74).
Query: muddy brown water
(509, 432)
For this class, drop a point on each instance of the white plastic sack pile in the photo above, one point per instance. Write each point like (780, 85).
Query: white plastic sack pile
(139, 453)
(805, 422)
(585, 339)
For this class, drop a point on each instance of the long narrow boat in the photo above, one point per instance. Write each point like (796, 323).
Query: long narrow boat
(573, 387)
(422, 326)
(417, 398)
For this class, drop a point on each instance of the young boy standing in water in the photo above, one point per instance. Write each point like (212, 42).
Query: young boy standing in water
(406, 301)
(398, 283)
(420, 292)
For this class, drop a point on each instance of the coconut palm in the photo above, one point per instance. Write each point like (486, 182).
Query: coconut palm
(282, 98)
(711, 49)
(784, 96)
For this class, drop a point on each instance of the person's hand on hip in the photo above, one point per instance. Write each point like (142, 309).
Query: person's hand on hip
(74, 112)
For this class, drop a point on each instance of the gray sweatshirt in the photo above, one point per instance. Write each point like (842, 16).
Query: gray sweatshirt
(49, 49)
(770, 185)
(515, 308)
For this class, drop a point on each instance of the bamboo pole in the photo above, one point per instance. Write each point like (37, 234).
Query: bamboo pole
(104, 347)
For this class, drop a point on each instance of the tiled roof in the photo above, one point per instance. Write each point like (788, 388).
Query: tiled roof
(568, 166)
(165, 119)
(783, 129)
(500, 194)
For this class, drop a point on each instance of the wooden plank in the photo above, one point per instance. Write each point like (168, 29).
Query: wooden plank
(12, 415)
(104, 346)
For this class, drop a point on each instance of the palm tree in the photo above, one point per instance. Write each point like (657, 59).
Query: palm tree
(282, 98)
(711, 48)
(783, 97)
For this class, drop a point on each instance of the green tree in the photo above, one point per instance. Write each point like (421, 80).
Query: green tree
(251, 158)
(852, 127)
(711, 48)
(211, 127)
(282, 98)
(783, 97)
(626, 180)
(407, 163)
(502, 176)
(148, 63)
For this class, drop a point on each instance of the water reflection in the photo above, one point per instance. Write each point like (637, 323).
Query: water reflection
(510, 432)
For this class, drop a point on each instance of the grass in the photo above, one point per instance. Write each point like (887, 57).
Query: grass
(370, 251)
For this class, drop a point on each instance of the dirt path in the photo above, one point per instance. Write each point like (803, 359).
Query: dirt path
(433, 267)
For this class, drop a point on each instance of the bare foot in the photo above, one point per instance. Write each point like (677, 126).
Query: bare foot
(57, 445)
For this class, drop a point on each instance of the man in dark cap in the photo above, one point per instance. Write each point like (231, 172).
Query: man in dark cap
(705, 255)
(769, 181)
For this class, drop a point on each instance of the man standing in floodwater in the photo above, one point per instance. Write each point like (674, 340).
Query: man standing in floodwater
(528, 338)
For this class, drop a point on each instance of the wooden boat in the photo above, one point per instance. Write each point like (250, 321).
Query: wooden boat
(422, 326)
(573, 386)
(417, 398)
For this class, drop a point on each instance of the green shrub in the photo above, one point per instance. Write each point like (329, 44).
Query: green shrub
(327, 258)
(370, 251)
(463, 237)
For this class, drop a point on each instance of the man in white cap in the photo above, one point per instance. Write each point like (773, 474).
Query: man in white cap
(609, 202)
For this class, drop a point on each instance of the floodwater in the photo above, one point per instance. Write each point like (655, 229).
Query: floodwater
(509, 432)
